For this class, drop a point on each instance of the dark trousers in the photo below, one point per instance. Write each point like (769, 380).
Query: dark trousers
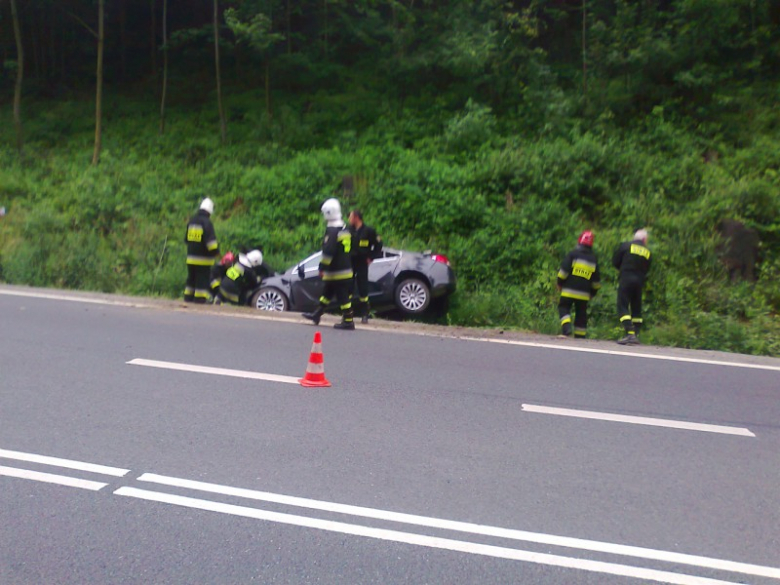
(341, 290)
(360, 279)
(580, 316)
(197, 289)
(629, 304)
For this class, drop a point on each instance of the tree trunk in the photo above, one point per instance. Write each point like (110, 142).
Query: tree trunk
(165, 66)
(123, 38)
(153, 35)
(268, 87)
(19, 78)
(289, 27)
(222, 123)
(584, 51)
(99, 91)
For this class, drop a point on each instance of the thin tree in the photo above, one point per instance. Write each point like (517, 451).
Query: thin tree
(100, 36)
(153, 35)
(222, 122)
(165, 66)
(584, 50)
(19, 78)
(99, 91)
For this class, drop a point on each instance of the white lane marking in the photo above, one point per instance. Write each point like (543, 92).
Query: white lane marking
(68, 463)
(481, 529)
(445, 334)
(420, 539)
(216, 371)
(56, 297)
(649, 356)
(51, 478)
(639, 420)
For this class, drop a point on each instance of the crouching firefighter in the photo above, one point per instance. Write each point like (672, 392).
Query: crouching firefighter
(240, 279)
(219, 270)
(335, 267)
(579, 281)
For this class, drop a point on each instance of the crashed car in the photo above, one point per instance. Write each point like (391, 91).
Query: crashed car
(414, 283)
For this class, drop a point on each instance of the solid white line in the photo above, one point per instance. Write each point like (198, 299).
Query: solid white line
(68, 463)
(454, 525)
(420, 539)
(577, 348)
(56, 297)
(215, 371)
(51, 478)
(648, 356)
(639, 420)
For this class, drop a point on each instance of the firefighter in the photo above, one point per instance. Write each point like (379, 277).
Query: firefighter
(202, 251)
(241, 278)
(366, 246)
(579, 281)
(335, 267)
(632, 259)
(219, 270)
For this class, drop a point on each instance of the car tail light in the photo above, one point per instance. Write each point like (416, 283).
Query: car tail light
(440, 258)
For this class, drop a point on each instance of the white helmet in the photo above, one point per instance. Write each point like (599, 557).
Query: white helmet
(207, 205)
(641, 235)
(331, 211)
(255, 258)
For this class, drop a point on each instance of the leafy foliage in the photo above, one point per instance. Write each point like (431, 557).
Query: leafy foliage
(493, 131)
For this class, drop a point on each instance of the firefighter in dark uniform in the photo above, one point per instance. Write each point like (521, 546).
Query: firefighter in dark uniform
(366, 247)
(335, 267)
(579, 281)
(202, 252)
(632, 259)
(241, 278)
(219, 270)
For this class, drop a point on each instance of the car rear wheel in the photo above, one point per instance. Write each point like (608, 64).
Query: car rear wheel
(270, 299)
(412, 296)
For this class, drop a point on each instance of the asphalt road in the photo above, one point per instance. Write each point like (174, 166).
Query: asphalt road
(431, 459)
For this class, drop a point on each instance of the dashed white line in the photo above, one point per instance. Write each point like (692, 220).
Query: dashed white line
(467, 527)
(51, 478)
(214, 371)
(67, 463)
(639, 420)
(421, 539)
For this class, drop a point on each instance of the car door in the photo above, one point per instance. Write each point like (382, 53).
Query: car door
(381, 277)
(306, 285)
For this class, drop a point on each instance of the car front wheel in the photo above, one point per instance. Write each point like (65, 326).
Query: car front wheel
(412, 296)
(270, 299)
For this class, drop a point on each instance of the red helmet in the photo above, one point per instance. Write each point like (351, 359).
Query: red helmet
(228, 259)
(586, 238)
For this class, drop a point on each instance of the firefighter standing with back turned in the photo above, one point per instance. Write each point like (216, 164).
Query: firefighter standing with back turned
(366, 246)
(335, 267)
(202, 252)
(579, 281)
(633, 260)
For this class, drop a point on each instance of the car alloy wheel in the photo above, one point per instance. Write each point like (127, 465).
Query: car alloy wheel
(270, 299)
(413, 296)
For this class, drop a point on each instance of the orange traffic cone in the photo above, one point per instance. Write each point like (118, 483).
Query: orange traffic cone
(315, 371)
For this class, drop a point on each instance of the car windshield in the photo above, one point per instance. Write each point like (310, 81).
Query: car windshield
(310, 263)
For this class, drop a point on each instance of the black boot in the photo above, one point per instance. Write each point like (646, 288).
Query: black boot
(315, 315)
(347, 321)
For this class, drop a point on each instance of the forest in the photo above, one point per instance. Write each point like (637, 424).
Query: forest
(491, 131)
